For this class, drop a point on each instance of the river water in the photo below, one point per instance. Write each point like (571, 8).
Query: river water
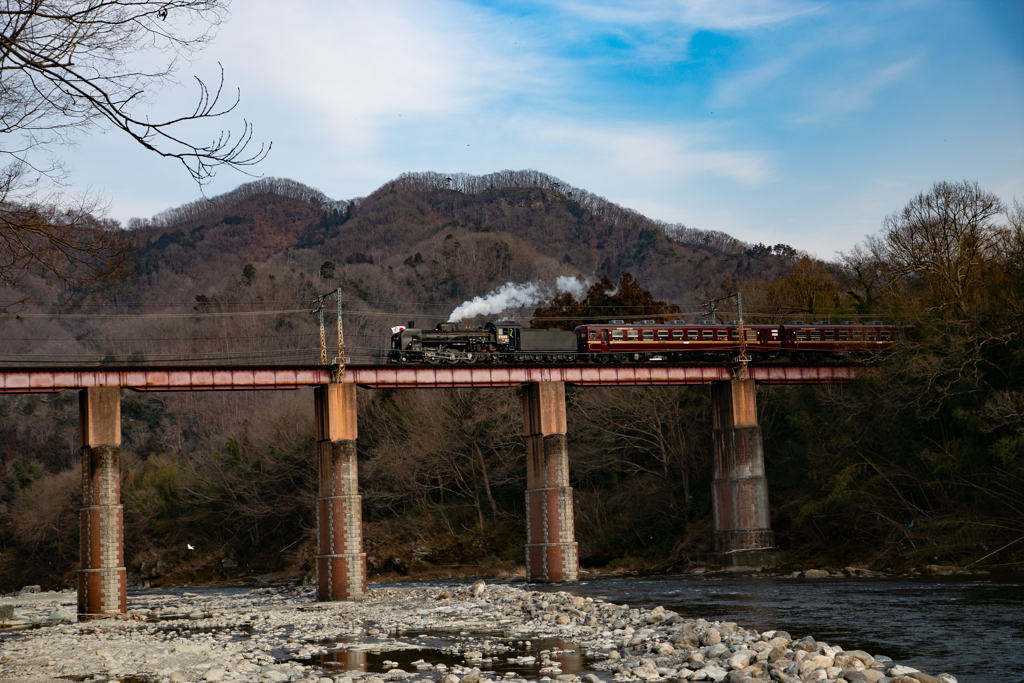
(971, 627)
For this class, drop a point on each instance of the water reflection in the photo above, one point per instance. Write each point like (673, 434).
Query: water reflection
(431, 650)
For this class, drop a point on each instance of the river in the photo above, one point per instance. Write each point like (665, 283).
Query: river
(971, 627)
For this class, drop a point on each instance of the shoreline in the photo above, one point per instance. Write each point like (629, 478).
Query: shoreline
(258, 634)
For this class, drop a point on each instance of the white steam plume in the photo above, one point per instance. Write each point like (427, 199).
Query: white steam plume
(572, 285)
(511, 295)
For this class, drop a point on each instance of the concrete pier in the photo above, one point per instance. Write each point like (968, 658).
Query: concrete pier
(739, 489)
(340, 560)
(551, 550)
(102, 588)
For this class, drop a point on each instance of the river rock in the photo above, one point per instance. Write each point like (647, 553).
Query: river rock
(645, 672)
(946, 678)
(663, 649)
(715, 672)
(898, 670)
(816, 574)
(718, 649)
(813, 663)
(865, 676)
(214, 674)
(712, 637)
(864, 657)
(847, 662)
(688, 640)
(740, 660)
(923, 678)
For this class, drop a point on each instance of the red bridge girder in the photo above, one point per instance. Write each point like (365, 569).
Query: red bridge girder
(239, 378)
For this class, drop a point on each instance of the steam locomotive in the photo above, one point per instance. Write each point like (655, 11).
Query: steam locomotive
(641, 341)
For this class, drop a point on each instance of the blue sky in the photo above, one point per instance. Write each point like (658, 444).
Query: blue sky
(772, 120)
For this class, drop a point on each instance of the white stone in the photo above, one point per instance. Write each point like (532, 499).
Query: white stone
(900, 670)
(739, 661)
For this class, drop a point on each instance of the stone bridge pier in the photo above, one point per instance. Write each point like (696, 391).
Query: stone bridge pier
(739, 491)
(102, 580)
(340, 560)
(551, 549)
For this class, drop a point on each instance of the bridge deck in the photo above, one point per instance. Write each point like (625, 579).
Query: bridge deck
(238, 377)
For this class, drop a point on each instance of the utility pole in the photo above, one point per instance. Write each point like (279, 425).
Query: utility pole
(340, 360)
(319, 311)
(712, 309)
(744, 358)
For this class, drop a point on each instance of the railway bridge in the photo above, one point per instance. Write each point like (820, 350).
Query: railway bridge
(740, 489)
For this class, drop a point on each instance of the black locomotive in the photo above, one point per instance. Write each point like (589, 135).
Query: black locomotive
(497, 342)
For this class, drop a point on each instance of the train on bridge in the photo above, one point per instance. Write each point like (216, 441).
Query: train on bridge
(641, 341)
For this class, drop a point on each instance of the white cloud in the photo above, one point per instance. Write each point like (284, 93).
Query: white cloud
(856, 93)
(695, 14)
(640, 149)
(358, 67)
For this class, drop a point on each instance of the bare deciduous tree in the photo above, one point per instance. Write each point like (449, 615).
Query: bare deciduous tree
(944, 236)
(69, 66)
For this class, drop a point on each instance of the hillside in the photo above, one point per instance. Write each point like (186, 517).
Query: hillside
(422, 244)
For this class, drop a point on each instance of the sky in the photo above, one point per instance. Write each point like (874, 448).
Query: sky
(776, 121)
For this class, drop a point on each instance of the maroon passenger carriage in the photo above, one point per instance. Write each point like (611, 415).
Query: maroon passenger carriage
(679, 340)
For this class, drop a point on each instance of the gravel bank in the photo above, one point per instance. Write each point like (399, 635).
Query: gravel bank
(488, 633)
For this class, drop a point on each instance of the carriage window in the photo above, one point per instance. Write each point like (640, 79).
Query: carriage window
(723, 335)
(815, 335)
(801, 335)
(678, 335)
(691, 335)
(648, 335)
(858, 335)
(734, 335)
(616, 335)
(707, 335)
(884, 335)
(844, 335)
(632, 335)
(593, 335)
(662, 335)
(751, 335)
(830, 334)
(871, 335)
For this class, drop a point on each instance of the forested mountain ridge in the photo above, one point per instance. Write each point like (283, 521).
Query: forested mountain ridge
(438, 243)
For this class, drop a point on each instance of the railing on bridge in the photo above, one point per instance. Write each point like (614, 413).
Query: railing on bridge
(237, 378)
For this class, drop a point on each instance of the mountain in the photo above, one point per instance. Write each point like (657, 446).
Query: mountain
(424, 243)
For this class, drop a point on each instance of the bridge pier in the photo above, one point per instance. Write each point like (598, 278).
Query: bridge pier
(102, 585)
(340, 560)
(739, 491)
(551, 549)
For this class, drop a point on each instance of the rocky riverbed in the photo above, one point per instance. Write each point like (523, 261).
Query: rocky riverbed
(472, 634)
